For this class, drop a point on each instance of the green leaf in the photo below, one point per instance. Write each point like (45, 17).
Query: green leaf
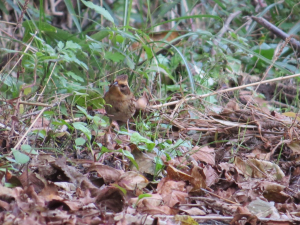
(144, 196)
(3, 8)
(148, 51)
(81, 126)
(100, 122)
(130, 157)
(219, 3)
(99, 10)
(190, 76)
(28, 149)
(60, 45)
(74, 76)
(80, 141)
(83, 110)
(72, 45)
(20, 157)
(136, 138)
(114, 56)
(119, 38)
(159, 164)
(122, 189)
(140, 197)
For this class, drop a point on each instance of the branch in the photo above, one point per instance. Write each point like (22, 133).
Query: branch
(279, 33)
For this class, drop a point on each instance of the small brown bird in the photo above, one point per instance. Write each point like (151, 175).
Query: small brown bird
(120, 102)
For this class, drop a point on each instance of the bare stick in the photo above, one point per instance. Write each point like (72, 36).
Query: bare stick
(29, 129)
(225, 90)
(279, 33)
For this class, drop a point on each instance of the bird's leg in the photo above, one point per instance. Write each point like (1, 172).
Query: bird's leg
(127, 123)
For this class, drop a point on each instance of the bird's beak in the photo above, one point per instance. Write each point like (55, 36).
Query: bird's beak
(115, 83)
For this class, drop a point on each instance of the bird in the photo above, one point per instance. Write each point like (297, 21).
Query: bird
(120, 102)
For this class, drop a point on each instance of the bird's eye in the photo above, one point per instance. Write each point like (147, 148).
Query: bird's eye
(123, 85)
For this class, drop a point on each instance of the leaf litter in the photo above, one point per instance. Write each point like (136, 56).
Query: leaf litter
(235, 166)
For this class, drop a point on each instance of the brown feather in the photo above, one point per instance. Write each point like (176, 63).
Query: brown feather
(120, 102)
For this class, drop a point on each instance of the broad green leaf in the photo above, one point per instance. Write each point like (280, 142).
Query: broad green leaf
(136, 138)
(81, 126)
(80, 141)
(20, 157)
(72, 45)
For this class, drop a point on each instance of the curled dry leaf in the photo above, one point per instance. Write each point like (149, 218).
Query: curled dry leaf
(50, 192)
(243, 212)
(295, 146)
(132, 180)
(176, 174)
(108, 173)
(258, 168)
(274, 192)
(112, 198)
(199, 178)
(38, 182)
(153, 205)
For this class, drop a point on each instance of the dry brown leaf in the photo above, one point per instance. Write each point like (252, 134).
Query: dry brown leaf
(50, 192)
(204, 154)
(243, 212)
(110, 197)
(145, 162)
(172, 192)
(108, 173)
(194, 211)
(295, 146)
(132, 180)
(199, 178)
(258, 168)
(211, 175)
(176, 174)
(274, 192)
(154, 200)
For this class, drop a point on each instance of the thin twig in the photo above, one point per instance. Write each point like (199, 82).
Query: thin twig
(29, 129)
(226, 200)
(224, 90)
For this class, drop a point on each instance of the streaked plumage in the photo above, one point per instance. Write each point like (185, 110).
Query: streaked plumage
(120, 102)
